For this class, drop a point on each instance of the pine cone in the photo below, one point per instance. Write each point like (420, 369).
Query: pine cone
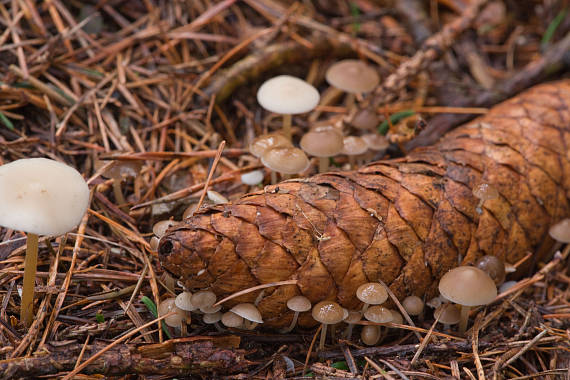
(404, 221)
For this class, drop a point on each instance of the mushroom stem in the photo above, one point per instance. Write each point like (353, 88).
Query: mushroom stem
(348, 331)
(323, 164)
(30, 264)
(329, 96)
(364, 308)
(118, 192)
(287, 126)
(350, 101)
(273, 177)
(464, 318)
(323, 337)
(352, 161)
(293, 323)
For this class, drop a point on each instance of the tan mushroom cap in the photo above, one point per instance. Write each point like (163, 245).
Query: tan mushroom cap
(468, 286)
(353, 76)
(397, 317)
(354, 145)
(299, 304)
(211, 318)
(285, 94)
(322, 142)
(286, 160)
(561, 231)
(247, 311)
(372, 293)
(210, 309)
(375, 141)
(328, 312)
(122, 169)
(184, 301)
(260, 145)
(448, 314)
(166, 307)
(231, 319)
(41, 196)
(370, 335)
(365, 119)
(353, 317)
(160, 227)
(413, 305)
(203, 298)
(378, 314)
(485, 191)
(494, 267)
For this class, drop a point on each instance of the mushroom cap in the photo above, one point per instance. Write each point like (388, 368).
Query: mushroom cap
(372, 293)
(376, 142)
(354, 145)
(468, 286)
(322, 142)
(353, 317)
(231, 319)
(506, 286)
(260, 145)
(448, 314)
(378, 314)
(41, 196)
(122, 169)
(561, 231)
(370, 335)
(166, 307)
(365, 119)
(160, 227)
(485, 191)
(328, 312)
(184, 301)
(154, 242)
(494, 267)
(285, 94)
(210, 309)
(247, 311)
(353, 76)
(299, 303)
(286, 160)
(397, 317)
(211, 318)
(253, 178)
(413, 305)
(203, 298)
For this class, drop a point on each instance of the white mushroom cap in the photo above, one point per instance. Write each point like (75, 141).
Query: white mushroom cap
(184, 301)
(41, 196)
(247, 311)
(285, 94)
(468, 286)
(253, 178)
